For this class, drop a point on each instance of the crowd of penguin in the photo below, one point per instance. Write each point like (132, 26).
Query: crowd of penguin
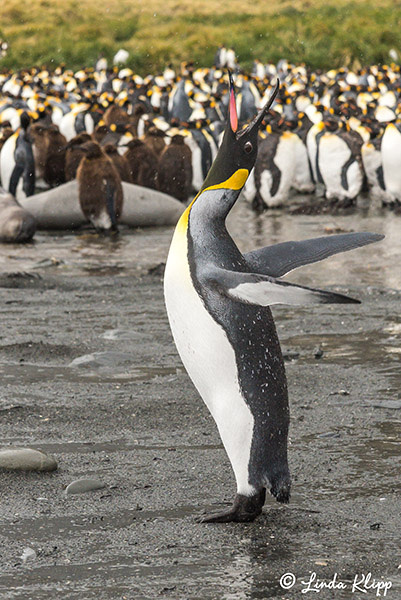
(336, 134)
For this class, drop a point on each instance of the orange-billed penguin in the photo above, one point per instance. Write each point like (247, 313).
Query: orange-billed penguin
(100, 190)
(218, 301)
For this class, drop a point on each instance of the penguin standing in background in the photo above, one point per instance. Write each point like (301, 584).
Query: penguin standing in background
(100, 190)
(37, 133)
(74, 154)
(217, 302)
(143, 163)
(54, 168)
(17, 160)
(373, 166)
(303, 181)
(391, 160)
(339, 163)
(275, 166)
(120, 162)
(175, 169)
(154, 138)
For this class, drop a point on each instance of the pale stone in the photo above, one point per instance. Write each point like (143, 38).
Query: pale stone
(26, 459)
(84, 485)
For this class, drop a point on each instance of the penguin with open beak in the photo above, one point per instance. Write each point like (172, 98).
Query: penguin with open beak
(218, 304)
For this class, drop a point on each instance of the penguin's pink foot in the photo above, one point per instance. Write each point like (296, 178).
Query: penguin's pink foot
(244, 510)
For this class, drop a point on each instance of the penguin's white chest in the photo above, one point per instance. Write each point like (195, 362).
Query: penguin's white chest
(209, 360)
(201, 342)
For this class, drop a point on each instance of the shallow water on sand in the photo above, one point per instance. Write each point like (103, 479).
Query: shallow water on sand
(136, 250)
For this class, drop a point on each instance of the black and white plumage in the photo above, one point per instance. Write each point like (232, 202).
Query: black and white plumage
(218, 303)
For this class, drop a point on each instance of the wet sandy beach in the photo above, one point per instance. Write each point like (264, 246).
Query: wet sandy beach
(90, 375)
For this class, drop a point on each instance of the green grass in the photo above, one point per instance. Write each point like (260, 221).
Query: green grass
(323, 35)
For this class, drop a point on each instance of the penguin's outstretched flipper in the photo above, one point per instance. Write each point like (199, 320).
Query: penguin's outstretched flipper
(262, 290)
(279, 259)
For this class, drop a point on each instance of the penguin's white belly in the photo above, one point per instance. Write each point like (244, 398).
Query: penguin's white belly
(7, 164)
(372, 161)
(311, 147)
(210, 362)
(302, 181)
(67, 125)
(333, 154)
(391, 156)
(285, 161)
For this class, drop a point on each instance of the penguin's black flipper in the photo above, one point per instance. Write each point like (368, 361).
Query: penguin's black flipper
(279, 259)
(261, 290)
(29, 182)
(14, 179)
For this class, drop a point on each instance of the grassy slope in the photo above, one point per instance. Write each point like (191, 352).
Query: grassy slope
(323, 34)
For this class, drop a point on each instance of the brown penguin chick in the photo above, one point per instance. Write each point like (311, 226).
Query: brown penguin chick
(37, 131)
(175, 169)
(74, 154)
(143, 163)
(154, 138)
(99, 187)
(116, 115)
(100, 132)
(120, 162)
(55, 157)
(5, 133)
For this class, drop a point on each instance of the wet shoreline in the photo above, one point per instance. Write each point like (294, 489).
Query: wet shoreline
(91, 376)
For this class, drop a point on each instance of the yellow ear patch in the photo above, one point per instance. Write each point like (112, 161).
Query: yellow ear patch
(235, 182)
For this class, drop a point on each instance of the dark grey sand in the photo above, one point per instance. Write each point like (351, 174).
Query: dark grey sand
(129, 416)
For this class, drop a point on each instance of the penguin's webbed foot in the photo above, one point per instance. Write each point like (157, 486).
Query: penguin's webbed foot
(245, 509)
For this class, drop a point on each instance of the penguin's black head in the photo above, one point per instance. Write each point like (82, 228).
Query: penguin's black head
(239, 147)
(25, 120)
(92, 150)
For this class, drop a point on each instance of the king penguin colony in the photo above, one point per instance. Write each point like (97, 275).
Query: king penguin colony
(336, 134)
(218, 301)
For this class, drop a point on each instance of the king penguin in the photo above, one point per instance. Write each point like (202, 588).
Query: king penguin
(218, 304)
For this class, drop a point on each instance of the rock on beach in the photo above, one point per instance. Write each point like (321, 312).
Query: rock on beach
(81, 486)
(26, 459)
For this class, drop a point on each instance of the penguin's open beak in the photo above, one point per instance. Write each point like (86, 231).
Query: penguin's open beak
(256, 123)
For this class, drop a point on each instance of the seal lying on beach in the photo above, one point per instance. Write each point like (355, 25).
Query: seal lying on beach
(16, 223)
